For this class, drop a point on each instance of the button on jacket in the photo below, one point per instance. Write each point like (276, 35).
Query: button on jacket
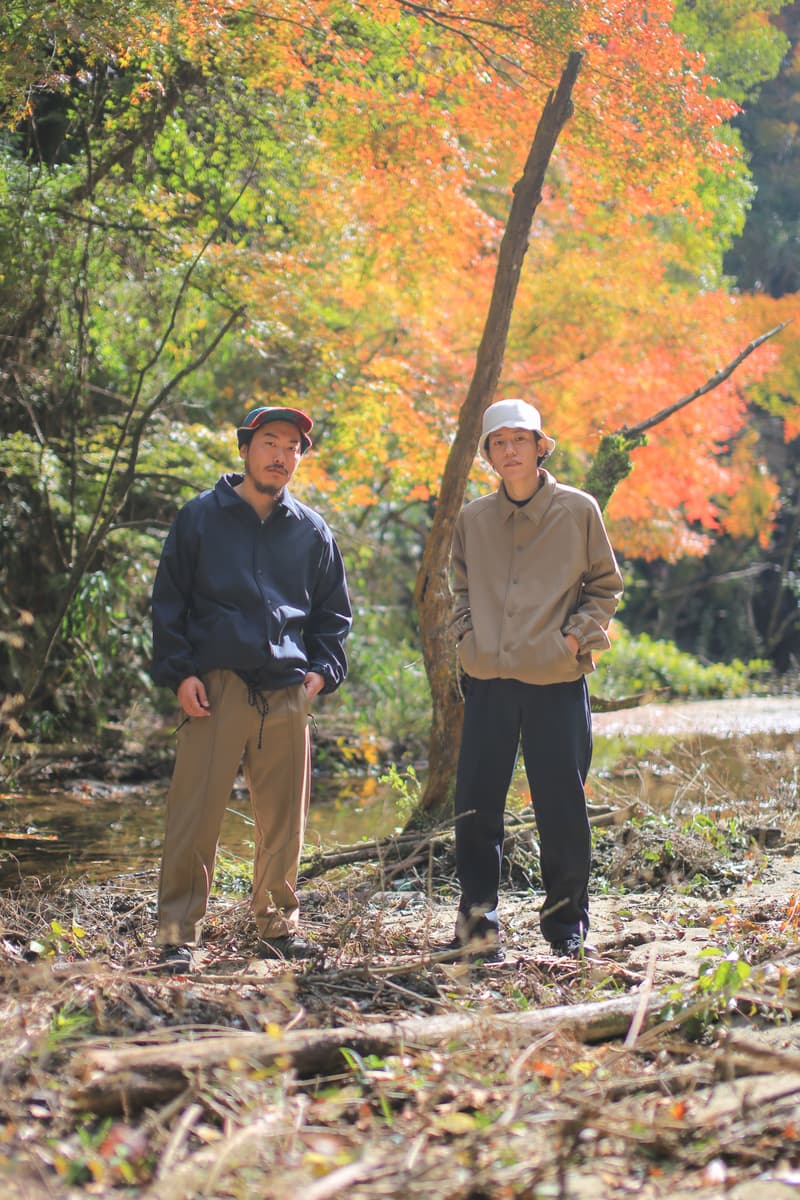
(267, 599)
(524, 576)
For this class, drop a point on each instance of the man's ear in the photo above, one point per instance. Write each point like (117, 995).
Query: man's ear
(243, 450)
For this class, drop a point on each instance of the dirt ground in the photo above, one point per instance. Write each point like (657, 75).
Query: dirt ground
(667, 1066)
(738, 718)
(490, 1113)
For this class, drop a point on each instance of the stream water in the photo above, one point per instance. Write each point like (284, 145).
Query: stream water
(677, 758)
(103, 830)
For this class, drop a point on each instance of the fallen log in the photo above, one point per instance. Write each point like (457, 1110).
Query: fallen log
(617, 816)
(9, 835)
(405, 849)
(638, 700)
(387, 850)
(111, 1081)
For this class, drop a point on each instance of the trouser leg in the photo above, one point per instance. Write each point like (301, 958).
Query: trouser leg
(557, 747)
(208, 753)
(489, 746)
(278, 776)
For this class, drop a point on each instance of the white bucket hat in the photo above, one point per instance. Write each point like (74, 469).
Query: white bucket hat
(513, 414)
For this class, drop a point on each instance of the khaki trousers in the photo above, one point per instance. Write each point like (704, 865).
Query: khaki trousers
(278, 778)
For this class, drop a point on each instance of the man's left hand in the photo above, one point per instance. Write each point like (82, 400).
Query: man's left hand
(572, 642)
(313, 683)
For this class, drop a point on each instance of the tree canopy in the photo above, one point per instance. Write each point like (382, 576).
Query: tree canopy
(208, 205)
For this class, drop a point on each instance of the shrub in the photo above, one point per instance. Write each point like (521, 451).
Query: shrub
(639, 664)
(387, 689)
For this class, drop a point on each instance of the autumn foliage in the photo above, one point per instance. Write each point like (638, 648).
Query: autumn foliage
(208, 205)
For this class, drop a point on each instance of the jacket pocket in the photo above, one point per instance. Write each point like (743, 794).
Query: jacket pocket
(467, 654)
(548, 659)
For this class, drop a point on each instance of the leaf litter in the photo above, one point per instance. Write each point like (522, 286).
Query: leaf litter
(383, 1069)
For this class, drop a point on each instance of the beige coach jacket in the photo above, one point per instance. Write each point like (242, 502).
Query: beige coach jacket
(526, 576)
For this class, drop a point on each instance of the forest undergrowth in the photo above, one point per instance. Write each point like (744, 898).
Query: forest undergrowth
(668, 1066)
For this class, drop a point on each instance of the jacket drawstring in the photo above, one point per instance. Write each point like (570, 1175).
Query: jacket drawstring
(256, 699)
(259, 701)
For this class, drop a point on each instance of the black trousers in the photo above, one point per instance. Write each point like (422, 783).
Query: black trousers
(555, 724)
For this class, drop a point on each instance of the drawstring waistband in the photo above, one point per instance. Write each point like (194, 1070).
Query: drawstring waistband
(259, 701)
(255, 698)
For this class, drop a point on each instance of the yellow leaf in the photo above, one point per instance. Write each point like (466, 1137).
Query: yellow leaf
(318, 1164)
(457, 1123)
(584, 1067)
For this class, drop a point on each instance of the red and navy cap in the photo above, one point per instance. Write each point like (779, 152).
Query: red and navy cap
(260, 416)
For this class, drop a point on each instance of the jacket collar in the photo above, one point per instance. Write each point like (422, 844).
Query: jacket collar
(537, 506)
(224, 491)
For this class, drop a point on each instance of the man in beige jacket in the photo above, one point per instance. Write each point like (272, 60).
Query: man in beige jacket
(536, 585)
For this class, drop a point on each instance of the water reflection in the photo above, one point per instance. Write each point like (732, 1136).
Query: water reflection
(101, 831)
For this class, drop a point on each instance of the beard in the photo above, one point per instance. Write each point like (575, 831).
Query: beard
(267, 489)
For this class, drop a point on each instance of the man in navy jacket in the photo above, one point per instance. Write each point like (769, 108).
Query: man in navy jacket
(250, 616)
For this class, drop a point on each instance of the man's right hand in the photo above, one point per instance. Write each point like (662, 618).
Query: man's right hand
(192, 697)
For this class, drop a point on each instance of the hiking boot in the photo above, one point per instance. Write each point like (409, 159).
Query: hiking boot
(479, 949)
(482, 946)
(573, 947)
(289, 946)
(176, 960)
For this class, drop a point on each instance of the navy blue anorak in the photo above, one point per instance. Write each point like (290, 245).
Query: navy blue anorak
(267, 599)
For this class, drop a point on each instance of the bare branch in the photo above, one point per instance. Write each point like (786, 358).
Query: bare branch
(69, 214)
(714, 382)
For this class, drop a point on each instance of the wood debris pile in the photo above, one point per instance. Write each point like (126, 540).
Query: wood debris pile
(669, 1066)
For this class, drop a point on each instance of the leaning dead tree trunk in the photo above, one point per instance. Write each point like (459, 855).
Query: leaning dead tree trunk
(611, 464)
(433, 594)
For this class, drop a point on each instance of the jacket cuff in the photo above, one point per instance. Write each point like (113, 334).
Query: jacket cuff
(331, 682)
(461, 625)
(575, 629)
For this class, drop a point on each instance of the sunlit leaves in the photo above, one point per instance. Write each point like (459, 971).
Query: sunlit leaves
(741, 47)
(343, 171)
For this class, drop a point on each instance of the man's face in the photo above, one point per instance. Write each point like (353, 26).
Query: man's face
(272, 455)
(514, 453)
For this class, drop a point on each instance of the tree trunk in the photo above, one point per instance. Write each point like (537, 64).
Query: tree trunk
(433, 594)
(610, 465)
